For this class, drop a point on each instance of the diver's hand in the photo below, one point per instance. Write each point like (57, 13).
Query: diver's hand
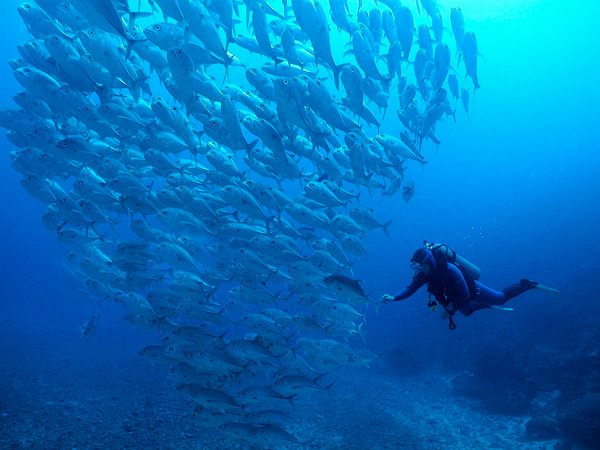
(386, 298)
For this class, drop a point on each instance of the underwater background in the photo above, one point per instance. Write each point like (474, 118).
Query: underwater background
(515, 190)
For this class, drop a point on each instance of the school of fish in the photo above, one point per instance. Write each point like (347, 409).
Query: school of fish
(204, 160)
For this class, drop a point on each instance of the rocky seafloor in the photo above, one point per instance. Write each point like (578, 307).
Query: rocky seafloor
(91, 396)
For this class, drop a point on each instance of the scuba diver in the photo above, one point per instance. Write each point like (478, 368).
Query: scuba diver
(452, 281)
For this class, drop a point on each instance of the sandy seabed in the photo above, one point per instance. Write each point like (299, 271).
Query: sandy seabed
(84, 399)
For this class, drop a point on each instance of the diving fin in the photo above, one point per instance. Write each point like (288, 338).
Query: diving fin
(534, 285)
(541, 287)
(500, 308)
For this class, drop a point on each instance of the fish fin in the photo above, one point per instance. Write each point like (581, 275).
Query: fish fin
(362, 333)
(328, 387)
(336, 74)
(291, 399)
(385, 228)
(250, 147)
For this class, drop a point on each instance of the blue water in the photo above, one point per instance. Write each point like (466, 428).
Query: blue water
(515, 190)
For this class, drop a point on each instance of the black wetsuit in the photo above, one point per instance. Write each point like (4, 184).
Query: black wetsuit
(450, 288)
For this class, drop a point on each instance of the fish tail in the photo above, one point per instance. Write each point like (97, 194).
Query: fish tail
(129, 47)
(387, 83)
(268, 222)
(285, 11)
(212, 292)
(228, 40)
(160, 319)
(418, 6)
(362, 333)
(250, 147)
(336, 74)
(328, 387)
(227, 63)
(291, 399)
(385, 228)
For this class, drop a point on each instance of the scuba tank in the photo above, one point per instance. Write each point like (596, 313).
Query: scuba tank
(441, 252)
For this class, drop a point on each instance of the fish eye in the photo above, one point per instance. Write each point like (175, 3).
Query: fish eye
(253, 71)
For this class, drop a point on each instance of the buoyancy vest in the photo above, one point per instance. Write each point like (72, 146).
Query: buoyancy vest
(443, 293)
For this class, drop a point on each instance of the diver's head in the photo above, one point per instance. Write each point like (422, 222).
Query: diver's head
(423, 261)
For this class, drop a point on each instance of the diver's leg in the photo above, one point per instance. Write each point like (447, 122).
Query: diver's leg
(484, 297)
(471, 307)
(489, 296)
(517, 289)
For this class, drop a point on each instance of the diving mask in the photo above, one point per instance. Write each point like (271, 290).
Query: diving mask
(417, 267)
